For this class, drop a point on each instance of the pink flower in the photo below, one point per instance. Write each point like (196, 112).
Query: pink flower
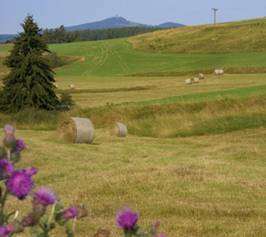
(44, 197)
(7, 230)
(19, 184)
(127, 219)
(70, 213)
(30, 171)
(20, 145)
(6, 168)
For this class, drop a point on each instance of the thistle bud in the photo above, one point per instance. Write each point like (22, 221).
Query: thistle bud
(9, 139)
(29, 220)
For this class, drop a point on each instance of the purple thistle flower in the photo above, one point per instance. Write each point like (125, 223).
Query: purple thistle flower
(70, 213)
(20, 145)
(19, 184)
(30, 171)
(44, 197)
(29, 220)
(7, 230)
(6, 168)
(127, 219)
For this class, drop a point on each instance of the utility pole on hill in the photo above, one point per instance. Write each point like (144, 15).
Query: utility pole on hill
(215, 10)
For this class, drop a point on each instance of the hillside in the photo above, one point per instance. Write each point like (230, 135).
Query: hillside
(118, 58)
(233, 37)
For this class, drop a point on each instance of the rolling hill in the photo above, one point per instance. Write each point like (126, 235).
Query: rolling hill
(233, 37)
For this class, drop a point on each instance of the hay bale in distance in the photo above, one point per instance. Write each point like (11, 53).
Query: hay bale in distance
(188, 81)
(218, 72)
(121, 130)
(72, 86)
(77, 130)
(196, 80)
(201, 76)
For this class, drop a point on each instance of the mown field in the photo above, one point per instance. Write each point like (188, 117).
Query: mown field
(195, 157)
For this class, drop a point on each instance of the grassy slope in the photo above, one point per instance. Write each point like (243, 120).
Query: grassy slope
(212, 186)
(117, 58)
(243, 36)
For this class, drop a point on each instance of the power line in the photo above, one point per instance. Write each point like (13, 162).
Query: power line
(215, 10)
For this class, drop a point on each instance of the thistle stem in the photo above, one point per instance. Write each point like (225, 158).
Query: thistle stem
(2, 206)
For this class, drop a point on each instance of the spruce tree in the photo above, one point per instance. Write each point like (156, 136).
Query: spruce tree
(30, 81)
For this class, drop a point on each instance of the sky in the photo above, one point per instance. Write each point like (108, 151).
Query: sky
(53, 13)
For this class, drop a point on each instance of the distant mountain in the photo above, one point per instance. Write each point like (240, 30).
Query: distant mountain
(118, 22)
(4, 38)
(170, 25)
(113, 22)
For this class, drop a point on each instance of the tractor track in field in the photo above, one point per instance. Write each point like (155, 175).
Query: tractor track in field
(124, 66)
(104, 54)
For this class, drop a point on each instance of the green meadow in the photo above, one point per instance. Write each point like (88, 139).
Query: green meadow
(195, 155)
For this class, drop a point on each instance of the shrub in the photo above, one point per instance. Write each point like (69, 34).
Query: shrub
(55, 60)
(66, 101)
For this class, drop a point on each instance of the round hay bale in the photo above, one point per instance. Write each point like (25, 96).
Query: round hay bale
(77, 130)
(196, 80)
(218, 72)
(201, 76)
(188, 81)
(72, 86)
(121, 130)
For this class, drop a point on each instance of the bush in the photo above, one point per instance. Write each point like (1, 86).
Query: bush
(66, 101)
(55, 60)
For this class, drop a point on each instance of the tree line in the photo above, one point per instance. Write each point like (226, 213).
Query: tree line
(61, 35)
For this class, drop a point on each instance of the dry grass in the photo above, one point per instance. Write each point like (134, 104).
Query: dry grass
(212, 186)
(115, 90)
(184, 119)
(245, 36)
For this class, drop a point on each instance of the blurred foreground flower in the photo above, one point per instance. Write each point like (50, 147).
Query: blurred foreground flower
(20, 145)
(44, 197)
(7, 230)
(19, 184)
(127, 219)
(6, 168)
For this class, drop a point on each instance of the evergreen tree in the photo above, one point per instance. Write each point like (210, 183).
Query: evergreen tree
(30, 81)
